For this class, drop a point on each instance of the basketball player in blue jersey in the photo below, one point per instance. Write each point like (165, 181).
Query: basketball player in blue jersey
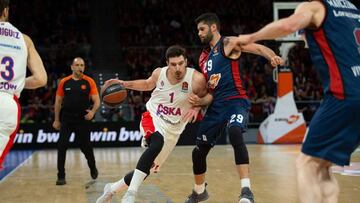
(332, 30)
(229, 104)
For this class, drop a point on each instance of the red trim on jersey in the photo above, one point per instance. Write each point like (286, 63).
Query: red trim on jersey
(237, 80)
(204, 56)
(336, 83)
(12, 135)
(147, 124)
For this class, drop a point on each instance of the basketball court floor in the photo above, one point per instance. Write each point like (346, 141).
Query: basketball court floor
(32, 175)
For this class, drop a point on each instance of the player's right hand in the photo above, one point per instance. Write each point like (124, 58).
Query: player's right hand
(56, 125)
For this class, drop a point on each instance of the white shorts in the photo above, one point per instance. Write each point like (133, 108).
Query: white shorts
(147, 127)
(9, 122)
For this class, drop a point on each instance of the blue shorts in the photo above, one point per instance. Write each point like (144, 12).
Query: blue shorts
(334, 131)
(219, 117)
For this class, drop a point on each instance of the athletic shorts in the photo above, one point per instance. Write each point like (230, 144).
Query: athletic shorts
(334, 131)
(147, 128)
(9, 122)
(219, 117)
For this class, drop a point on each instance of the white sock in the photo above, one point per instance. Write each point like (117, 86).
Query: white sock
(119, 186)
(199, 188)
(136, 180)
(245, 182)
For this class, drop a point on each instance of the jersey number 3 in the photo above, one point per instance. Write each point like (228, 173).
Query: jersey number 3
(8, 74)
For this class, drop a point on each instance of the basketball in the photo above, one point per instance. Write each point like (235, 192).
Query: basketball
(113, 94)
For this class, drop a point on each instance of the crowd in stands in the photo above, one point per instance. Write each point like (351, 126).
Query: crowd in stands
(61, 30)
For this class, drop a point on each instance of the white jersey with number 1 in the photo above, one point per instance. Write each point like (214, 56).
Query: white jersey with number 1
(169, 103)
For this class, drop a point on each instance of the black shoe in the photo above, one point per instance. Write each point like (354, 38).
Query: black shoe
(246, 196)
(61, 181)
(194, 197)
(94, 173)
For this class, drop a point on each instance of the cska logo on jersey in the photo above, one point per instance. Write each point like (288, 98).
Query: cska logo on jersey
(167, 110)
(83, 87)
(214, 80)
(185, 87)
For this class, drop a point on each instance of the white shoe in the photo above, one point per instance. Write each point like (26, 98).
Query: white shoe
(129, 197)
(107, 195)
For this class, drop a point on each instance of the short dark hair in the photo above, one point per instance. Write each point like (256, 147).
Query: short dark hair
(175, 51)
(4, 4)
(208, 18)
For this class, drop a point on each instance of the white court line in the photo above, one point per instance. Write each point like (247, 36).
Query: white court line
(16, 168)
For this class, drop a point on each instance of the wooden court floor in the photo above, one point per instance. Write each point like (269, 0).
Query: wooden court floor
(272, 176)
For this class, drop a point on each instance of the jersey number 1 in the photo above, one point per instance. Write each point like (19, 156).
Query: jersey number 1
(8, 74)
(171, 97)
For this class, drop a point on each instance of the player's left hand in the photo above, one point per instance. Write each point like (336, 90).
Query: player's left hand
(191, 115)
(194, 100)
(276, 60)
(89, 115)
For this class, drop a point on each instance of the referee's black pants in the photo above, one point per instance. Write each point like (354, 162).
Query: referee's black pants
(82, 137)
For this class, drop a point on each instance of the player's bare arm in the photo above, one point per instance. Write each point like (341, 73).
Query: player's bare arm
(307, 15)
(200, 96)
(264, 51)
(141, 85)
(233, 50)
(36, 67)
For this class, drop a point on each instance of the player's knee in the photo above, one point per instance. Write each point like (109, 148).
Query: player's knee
(235, 136)
(156, 142)
(199, 155)
(237, 141)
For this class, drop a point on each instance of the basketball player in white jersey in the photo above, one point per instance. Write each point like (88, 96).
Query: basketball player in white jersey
(16, 52)
(168, 112)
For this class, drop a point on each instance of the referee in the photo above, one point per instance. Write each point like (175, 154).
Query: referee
(73, 100)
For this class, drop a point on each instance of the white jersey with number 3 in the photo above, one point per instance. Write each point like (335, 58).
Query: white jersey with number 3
(13, 59)
(169, 103)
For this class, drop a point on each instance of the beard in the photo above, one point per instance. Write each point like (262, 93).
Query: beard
(207, 39)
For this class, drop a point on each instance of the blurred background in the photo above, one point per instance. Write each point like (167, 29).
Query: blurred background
(127, 39)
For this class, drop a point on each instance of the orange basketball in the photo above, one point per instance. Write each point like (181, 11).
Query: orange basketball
(113, 94)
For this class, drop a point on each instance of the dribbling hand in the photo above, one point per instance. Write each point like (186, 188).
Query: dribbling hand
(121, 82)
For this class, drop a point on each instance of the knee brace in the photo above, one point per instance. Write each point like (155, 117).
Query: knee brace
(199, 155)
(156, 142)
(237, 141)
